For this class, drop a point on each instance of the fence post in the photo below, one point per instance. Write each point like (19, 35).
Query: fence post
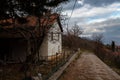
(64, 56)
(56, 60)
(79, 50)
(1, 74)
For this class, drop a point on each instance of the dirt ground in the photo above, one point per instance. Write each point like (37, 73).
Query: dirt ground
(89, 67)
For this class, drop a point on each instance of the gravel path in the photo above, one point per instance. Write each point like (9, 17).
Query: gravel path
(89, 67)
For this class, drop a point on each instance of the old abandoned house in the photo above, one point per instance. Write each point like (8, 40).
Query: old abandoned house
(18, 38)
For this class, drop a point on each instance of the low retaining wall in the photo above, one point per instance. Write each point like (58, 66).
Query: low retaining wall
(57, 74)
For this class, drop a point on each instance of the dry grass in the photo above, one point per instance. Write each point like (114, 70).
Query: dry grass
(14, 72)
(11, 72)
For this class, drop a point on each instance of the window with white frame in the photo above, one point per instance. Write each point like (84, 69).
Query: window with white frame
(54, 36)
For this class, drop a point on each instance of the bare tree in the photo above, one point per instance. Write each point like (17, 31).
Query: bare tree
(76, 30)
(20, 10)
(99, 47)
(71, 37)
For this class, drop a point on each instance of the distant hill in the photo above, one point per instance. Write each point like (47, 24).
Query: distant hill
(78, 42)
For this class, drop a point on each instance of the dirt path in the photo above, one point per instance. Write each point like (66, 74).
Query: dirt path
(89, 67)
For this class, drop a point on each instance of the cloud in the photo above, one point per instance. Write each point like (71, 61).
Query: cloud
(69, 5)
(109, 28)
(98, 3)
(102, 26)
(89, 11)
(97, 16)
(106, 23)
(93, 3)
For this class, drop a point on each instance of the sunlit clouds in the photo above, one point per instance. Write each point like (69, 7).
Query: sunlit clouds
(97, 17)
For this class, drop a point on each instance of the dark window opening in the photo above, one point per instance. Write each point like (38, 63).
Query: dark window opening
(4, 49)
(55, 36)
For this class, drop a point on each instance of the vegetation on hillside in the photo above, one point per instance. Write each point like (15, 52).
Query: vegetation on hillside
(107, 53)
(72, 39)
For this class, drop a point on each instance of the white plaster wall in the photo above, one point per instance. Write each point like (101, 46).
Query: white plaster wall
(54, 46)
(44, 47)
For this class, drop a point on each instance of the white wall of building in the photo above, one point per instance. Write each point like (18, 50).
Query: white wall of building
(51, 47)
(44, 47)
(54, 46)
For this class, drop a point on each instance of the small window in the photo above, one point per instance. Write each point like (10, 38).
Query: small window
(51, 36)
(54, 36)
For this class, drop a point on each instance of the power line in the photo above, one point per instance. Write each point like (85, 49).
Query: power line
(72, 12)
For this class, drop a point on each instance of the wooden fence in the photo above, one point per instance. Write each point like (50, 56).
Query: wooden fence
(54, 62)
(46, 66)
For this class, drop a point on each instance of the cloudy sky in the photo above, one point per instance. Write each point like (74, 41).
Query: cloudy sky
(96, 16)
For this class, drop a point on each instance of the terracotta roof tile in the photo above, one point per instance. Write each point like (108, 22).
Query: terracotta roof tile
(32, 21)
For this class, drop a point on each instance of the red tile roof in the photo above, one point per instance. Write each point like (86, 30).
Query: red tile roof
(31, 23)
